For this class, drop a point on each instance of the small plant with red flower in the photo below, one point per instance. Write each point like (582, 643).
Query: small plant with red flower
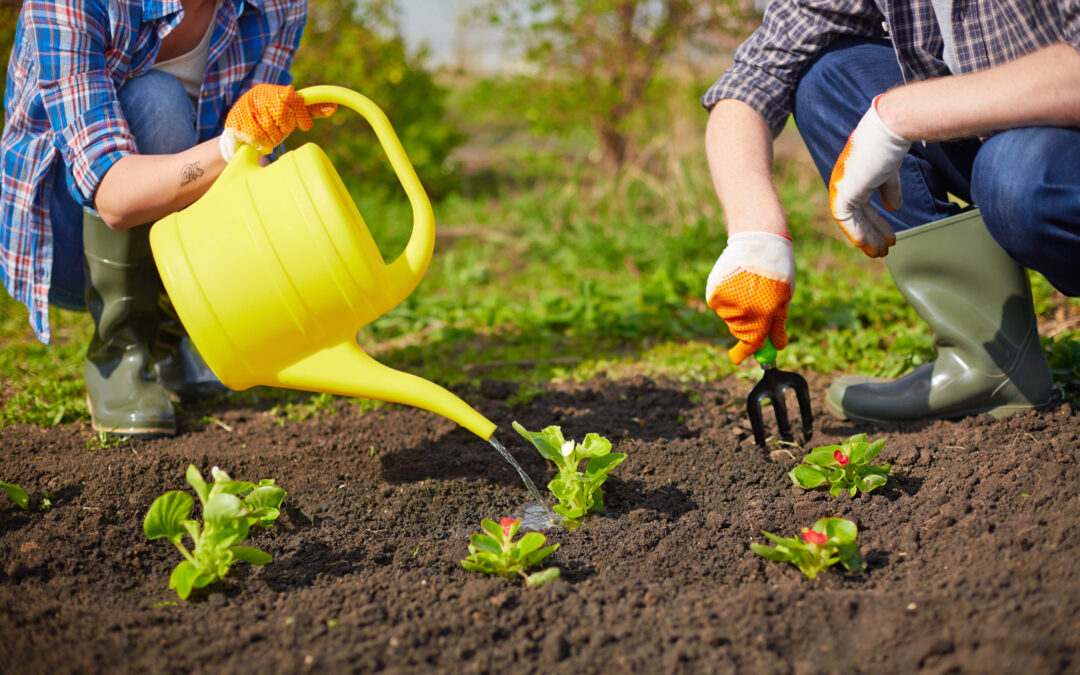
(829, 541)
(494, 552)
(845, 467)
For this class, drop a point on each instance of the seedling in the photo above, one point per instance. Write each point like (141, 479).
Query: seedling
(494, 552)
(578, 493)
(844, 467)
(230, 509)
(829, 541)
(16, 494)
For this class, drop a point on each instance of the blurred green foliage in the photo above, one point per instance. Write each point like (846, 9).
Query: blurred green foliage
(546, 264)
(358, 45)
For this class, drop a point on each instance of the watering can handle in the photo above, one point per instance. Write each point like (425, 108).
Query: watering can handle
(405, 273)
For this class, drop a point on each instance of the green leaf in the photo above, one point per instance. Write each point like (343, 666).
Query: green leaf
(838, 530)
(267, 497)
(473, 567)
(572, 513)
(875, 448)
(223, 508)
(167, 515)
(192, 527)
(850, 558)
(599, 466)
(770, 553)
(536, 557)
(492, 528)
(857, 453)
(853, 491)
(594, 445)
(807, 477)
(251, 555)
(565, 488)
(195, 480)
(528, 543)
(183, 579)
(825, 456)
(16, 494)
(483, 542)
(874, 481)
(233, 487)
(549, 442)
(542, 577)
(835, 490)
(509, 536)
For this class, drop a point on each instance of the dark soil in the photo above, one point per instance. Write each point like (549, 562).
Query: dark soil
(973, 549)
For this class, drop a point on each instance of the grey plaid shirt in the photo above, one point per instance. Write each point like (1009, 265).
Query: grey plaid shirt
(987, 33)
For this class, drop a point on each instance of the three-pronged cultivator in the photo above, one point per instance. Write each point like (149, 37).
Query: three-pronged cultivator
(774, 385)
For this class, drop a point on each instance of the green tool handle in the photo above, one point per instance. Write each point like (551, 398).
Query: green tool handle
(766, 356)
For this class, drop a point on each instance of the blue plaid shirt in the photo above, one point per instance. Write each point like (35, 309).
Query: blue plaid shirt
(69, 59)
(986, 33)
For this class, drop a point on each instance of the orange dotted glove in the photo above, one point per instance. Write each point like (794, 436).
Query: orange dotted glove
(750, 287)
(870, 161)
(265, 115)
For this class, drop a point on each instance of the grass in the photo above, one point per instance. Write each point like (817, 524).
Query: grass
(568, 275)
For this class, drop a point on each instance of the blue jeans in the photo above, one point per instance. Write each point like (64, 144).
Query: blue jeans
(1026, 182)
(162, 119)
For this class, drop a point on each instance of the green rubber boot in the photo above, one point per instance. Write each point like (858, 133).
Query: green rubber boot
(978, 301)
(180, 367)
(122, 288)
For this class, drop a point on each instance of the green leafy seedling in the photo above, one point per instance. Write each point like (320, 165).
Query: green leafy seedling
(494, 552)
(845, 467)
(16, 494)
(230, 509)
(829, 541)
(578, 493)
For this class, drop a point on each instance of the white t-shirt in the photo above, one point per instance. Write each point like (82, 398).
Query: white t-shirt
(943, 12)
(190, 68)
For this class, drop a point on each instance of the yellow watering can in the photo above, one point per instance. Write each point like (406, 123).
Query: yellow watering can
(273, 272)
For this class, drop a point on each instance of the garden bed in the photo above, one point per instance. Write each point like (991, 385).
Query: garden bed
(972, 550)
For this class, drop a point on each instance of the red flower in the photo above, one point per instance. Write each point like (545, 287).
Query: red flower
(813, 536)
(841, 458)
(507, 524)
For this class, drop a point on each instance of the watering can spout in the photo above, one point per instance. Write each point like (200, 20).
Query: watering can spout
(332, 370)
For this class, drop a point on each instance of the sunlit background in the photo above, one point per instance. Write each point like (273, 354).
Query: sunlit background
(561, 142)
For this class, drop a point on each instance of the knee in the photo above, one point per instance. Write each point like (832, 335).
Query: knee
(159, 113)
(835, 90)
(1011, 185)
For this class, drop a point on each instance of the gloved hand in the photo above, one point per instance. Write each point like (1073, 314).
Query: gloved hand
(265, 115)
(869, 161)
(750, 287)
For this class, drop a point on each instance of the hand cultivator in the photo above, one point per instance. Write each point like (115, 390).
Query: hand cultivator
(774, 384)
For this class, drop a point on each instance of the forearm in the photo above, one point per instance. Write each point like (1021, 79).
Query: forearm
(140, 189)
(1039, 89)
(738, 145)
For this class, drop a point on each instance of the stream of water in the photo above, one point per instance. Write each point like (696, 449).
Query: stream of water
(548, 514)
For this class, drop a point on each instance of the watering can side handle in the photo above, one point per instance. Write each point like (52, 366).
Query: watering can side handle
(404, 273)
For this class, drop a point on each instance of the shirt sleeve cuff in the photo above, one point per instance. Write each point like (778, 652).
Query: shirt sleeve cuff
(759, 96)
(92, 145)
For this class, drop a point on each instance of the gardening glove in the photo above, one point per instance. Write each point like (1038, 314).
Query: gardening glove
(869, 161)
(750, 287)
(265, 115)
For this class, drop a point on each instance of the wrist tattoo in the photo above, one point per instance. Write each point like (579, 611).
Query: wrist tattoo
(190, 173)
